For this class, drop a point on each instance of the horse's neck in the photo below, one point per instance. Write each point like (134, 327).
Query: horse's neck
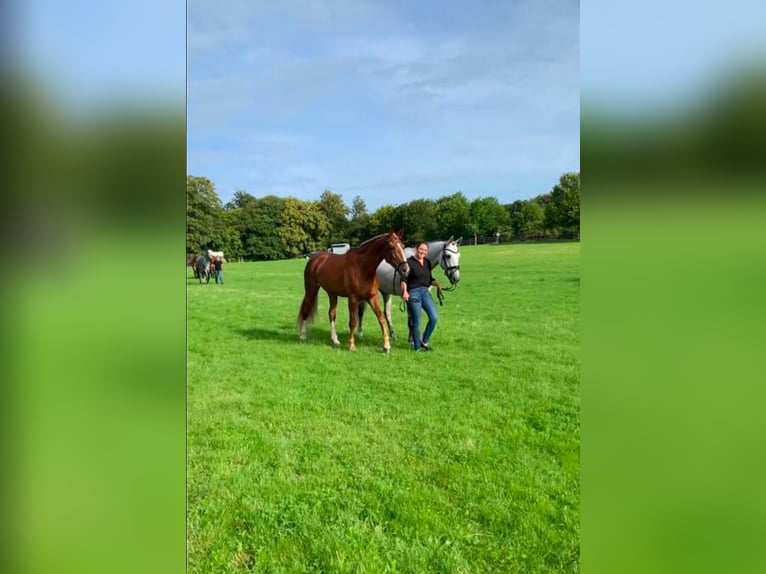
(435, 250)
(373, 252)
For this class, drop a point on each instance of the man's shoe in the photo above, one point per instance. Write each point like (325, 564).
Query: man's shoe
(426, 346)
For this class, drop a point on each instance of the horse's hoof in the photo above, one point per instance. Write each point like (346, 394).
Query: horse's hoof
(352, 348)
(386, 350)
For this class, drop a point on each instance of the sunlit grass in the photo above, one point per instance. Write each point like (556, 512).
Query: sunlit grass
(307, 458)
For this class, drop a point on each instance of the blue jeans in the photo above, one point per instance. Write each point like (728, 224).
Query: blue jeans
(420, 298)
(218, 275)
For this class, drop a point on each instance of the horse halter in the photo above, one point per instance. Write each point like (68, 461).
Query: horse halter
(402, 267)
(449, 270)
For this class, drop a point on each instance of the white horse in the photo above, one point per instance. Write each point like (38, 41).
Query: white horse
(446, 254)
(219, 254)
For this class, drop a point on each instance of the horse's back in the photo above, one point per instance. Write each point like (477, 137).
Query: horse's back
(339, 274)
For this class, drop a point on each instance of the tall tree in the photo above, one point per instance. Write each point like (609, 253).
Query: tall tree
(359, 226)
(452, 216)
(526, 218)
(232, 239)
(336, 212)
(203, 215)
(240, 199)
(566, 197)
(258, 229)
(488, 216)
(383, 219)
(301, 226)
(419, 220)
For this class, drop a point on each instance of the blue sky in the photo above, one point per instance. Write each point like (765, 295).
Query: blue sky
(639, 56)
(92, 52)
(391, 101)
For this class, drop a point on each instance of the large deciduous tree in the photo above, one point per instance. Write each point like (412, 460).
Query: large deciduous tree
(452, 216)
(566, 197)
(302, 225)
(526, 218)
(336, 213)
(488, 216)
(383, 219)
(419, 220)
(359, 225)
(203, 215)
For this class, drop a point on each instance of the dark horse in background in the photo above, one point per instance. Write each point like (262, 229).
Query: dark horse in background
(352, 275)
(190, 262)
(202, 269)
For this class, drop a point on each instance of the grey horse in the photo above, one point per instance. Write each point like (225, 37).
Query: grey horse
(445, 254)
(202, 267)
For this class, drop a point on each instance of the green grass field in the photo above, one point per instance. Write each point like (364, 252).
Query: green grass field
(303, 457)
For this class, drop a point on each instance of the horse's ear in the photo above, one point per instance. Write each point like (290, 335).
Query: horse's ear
(459, 240)
(401, 233)
(451, 237)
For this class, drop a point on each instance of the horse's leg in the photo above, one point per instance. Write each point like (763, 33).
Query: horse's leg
(308, 308)
(359, 328)
(375, 304)
(353, 308)
(387, 304)
(332, 314)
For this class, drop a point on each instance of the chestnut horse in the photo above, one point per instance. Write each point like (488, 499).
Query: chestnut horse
(351, 275)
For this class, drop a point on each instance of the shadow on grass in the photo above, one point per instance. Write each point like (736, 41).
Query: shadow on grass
(316, 336)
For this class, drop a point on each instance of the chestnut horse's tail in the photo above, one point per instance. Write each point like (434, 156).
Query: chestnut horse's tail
(308, 308)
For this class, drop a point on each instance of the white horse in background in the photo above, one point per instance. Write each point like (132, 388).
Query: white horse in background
(215, 254)
(445, 254)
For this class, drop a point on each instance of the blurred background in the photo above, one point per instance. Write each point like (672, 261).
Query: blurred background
(673, 135)
(93, 101)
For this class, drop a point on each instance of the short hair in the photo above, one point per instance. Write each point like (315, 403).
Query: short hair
(421, 243)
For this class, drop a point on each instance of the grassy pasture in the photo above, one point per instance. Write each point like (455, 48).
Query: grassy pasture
(303, 457)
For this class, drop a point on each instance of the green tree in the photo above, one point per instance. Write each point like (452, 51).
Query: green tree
(232, 239)
(203, 215)
(336, 213)
(302, 224)
(452, 216)
(240, 199)
(526, 218)
(257, 224)
(566, 198)
(383, 219)
(419, 220)
(488, 216)
(359, 225)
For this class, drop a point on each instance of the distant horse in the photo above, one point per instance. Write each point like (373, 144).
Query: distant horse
(443, 253)
(213, 254)
(350, 275)
(190, 262)
(202, 268)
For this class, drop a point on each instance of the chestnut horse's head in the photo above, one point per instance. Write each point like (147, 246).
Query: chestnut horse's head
(395, 254)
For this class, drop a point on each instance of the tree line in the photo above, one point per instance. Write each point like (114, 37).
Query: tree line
(272, 227)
